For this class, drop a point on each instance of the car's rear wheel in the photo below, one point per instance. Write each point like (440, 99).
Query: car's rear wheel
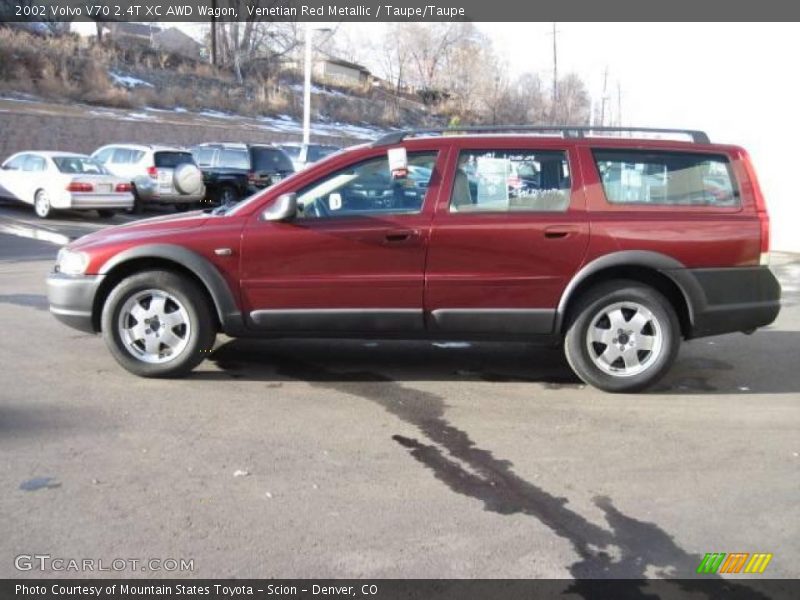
(41, 205)
(623, 336)
(158, 324)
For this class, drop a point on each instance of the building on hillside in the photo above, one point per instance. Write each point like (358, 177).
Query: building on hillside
(336, 71)
(175, 41)
(131, 34)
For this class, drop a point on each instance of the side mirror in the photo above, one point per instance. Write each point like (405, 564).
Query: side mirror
(283, 209)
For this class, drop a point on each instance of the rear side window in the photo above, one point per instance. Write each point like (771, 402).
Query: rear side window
(270, 159)
(34, 163)
(666, 178)
(204, 157)
(233, 159)
(126, 156)
(511, 181)
(170, 160)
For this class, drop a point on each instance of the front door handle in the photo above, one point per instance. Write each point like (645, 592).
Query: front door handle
(397, 236)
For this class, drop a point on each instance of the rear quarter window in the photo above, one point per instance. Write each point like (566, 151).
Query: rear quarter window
(666, 178)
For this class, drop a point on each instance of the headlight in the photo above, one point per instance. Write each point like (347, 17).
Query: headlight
(71, 262)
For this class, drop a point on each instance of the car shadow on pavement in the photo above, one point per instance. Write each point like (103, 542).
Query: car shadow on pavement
(396, 360)
(622, 548)
(762, 364)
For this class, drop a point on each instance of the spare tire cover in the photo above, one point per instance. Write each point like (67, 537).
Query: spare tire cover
(188, 179)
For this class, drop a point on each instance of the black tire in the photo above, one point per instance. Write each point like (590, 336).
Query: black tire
(138, 204)
(41, 205)
(585, 357)
(105, 213)
(202, 330)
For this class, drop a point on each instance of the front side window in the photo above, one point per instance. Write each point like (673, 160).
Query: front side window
(666, 178)
(511, 181)
(369, 189)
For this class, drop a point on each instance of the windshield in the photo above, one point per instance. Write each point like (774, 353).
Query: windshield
(272, 160)
(172, 159)
(79, 165)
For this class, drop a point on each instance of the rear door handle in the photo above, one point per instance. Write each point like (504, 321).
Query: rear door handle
(397, 236)
(559, 231)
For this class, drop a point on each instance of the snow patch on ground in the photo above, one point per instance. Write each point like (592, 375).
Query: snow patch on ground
(128, 81)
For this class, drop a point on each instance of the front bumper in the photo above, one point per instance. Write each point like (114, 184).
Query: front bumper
(72, 297)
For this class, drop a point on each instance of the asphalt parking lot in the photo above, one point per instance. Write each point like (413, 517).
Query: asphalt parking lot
(388, 459)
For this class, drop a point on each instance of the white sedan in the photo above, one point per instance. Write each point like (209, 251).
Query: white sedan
(63, 180)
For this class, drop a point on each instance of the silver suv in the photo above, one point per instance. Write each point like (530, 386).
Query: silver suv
(160, 174)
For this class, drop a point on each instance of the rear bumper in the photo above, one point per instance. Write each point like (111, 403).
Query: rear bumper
(101, 202)
(71, 299)
(729, 300)
(172, 198)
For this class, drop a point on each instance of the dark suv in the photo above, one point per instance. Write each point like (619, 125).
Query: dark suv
(233, 171)
(615, 248)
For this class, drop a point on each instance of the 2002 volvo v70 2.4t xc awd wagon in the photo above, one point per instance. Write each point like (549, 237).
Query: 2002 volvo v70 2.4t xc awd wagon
(619, 247)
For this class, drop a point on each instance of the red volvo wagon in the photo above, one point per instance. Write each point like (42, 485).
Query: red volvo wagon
(613, 247)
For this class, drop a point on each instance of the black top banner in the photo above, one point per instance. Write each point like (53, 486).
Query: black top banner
(395, 10)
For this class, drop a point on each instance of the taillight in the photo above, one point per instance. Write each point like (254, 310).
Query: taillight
(761, 209)
(153, 172)
(80, 187)
(124, 187)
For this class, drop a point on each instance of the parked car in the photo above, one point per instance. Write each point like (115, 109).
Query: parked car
(63, 180)
(159, 174)
(233, 171)
(303, 155)
(617, 253)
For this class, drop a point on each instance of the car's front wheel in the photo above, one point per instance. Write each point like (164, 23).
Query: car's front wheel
(158, 324)
(623, 336)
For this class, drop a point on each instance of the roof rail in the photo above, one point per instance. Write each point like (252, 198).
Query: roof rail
(567, 131)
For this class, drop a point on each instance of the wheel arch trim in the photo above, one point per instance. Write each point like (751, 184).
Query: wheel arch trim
(221, 295)
(667, 266)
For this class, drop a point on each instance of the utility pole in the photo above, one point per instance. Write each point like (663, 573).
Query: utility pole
(213, 33)
(553, 111)
(619, 104)
(603, 99)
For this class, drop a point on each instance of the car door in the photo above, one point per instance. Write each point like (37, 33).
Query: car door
(353, 258)
(507, 237)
